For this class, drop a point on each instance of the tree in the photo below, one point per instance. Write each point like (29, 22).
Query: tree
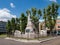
(34, 11)
(35, 16)
(13, 24)
(39, 13)
(52, 13)
(27, 12)
(9, 28)
(17, 24)
(17, 20)
(45, 17)
(23, 22)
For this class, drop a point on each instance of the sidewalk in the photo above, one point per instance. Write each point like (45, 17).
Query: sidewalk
(32, 41)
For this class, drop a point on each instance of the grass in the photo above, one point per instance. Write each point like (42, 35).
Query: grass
(3, 35)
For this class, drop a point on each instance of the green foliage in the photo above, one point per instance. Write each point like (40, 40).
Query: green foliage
(13, 24)
(36, 14)
(39, 13)
(9, 27)
(50, 15)
(45, 17)
(34, 10)
(17, 23)
(23, 22)
(27, 12)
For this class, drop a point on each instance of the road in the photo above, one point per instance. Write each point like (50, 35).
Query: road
(52, 42)
(10, 42)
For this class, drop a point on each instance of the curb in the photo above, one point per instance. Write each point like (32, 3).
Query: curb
(21, 40)
(32, 41)
(48, 39)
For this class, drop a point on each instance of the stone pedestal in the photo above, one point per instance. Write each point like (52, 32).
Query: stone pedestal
(17, 33)
(29, 31)
(43, 32)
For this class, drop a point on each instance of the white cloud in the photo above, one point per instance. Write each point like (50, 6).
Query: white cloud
(53, 0)
(6, 15)
(12, 5)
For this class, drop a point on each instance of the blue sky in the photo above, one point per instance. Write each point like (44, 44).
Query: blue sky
(14, 8)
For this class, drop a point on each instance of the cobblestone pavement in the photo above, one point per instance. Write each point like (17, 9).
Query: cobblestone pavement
(10, 42)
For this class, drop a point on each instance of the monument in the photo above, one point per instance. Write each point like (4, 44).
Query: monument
(29, 31)
(29, 28)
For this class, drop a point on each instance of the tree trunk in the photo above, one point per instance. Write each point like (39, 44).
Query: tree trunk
(50, 31)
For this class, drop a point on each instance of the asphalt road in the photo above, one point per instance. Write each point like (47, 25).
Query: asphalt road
(52, 42)
(10, 42)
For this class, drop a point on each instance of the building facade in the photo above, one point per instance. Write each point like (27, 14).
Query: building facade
(56, 28)
(3, 27)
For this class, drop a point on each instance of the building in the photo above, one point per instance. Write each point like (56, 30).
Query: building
(57, 26)
(2, 27)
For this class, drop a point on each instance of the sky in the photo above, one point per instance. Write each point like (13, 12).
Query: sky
(14, 8)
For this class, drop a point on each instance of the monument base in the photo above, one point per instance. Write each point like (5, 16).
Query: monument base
(26, 35)
(43, 32)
